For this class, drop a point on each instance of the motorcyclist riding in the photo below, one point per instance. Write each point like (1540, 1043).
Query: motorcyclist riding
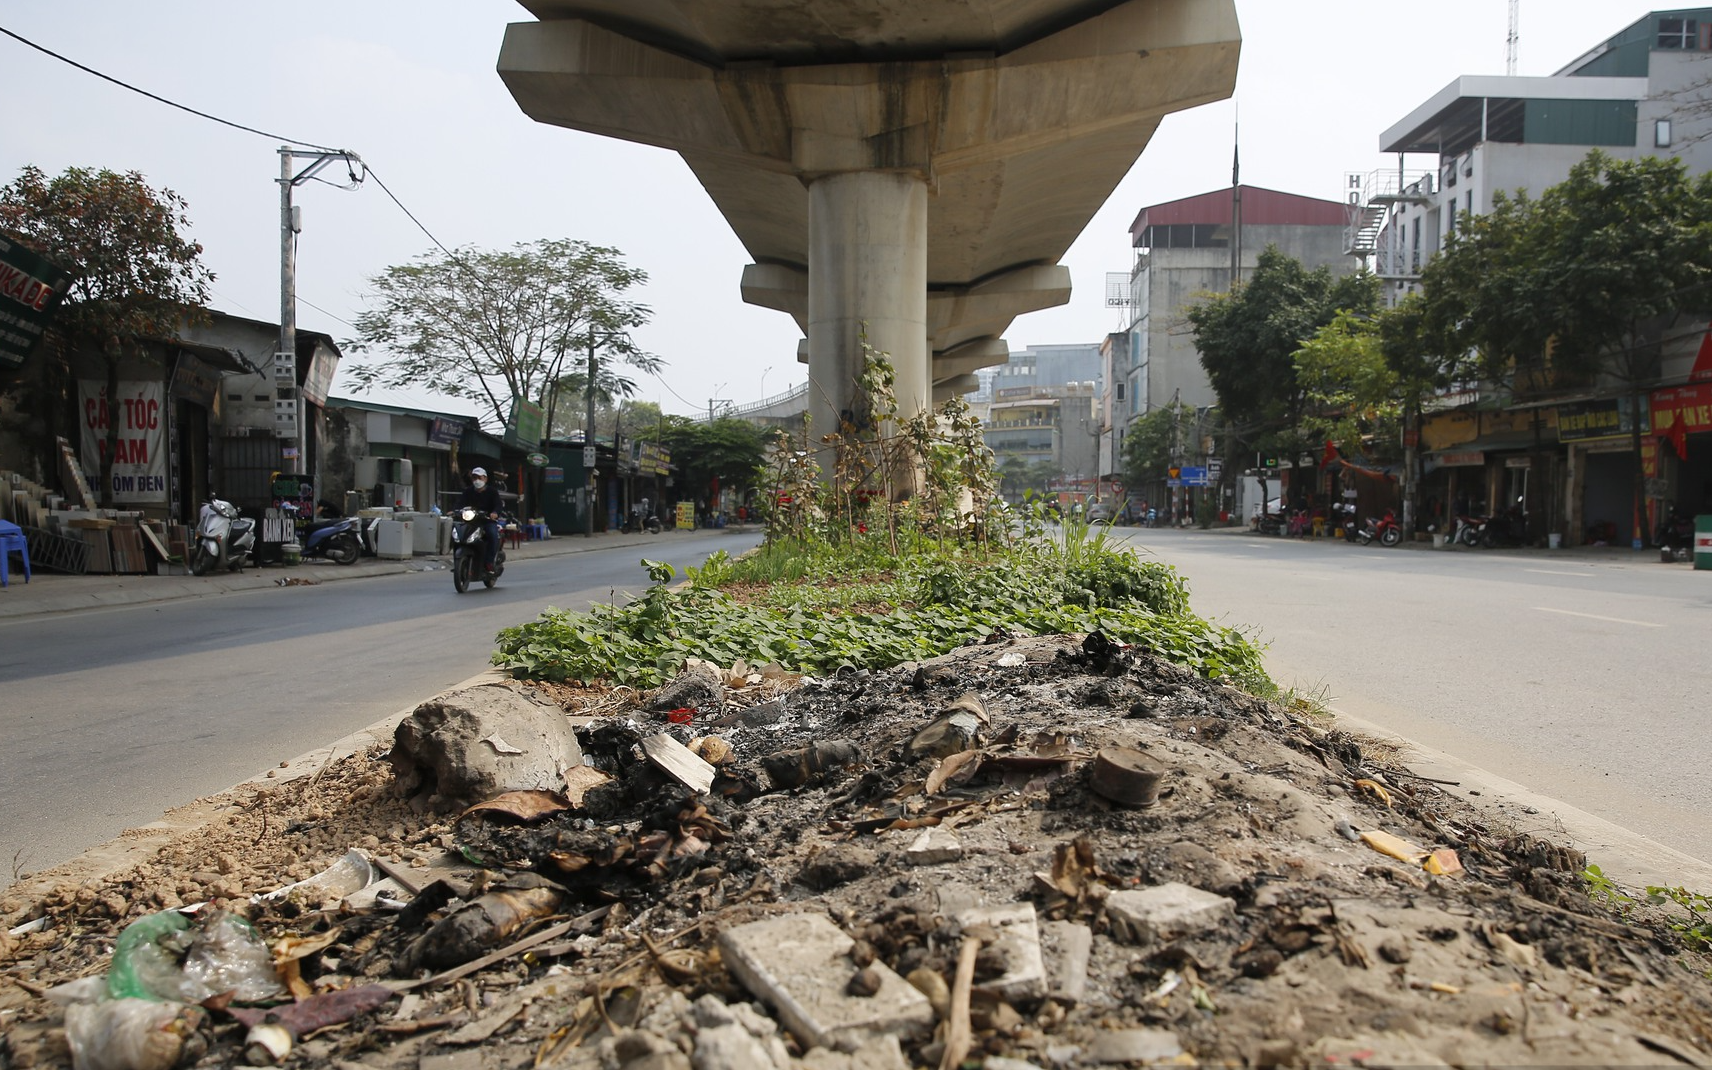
(484, 499)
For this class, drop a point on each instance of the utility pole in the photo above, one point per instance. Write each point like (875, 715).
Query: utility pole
(588, 441)
(289, 421)
(1512, 44)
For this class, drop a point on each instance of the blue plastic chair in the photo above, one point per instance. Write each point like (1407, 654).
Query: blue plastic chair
(12, 541)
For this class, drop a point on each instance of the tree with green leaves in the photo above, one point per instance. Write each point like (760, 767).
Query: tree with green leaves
(1248, 340)
(138, 277)
(729, 450)
(493, 325)
(1154, 443)
(1350, 392)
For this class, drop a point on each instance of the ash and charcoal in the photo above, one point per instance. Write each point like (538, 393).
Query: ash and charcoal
(1028, 853)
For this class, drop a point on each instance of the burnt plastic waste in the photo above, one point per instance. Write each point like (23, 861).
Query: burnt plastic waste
(480, 926)
(802, 765)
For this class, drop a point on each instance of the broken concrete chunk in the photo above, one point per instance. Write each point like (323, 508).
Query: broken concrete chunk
(730, 1047)
(880, 1053)
(950, 734)
(1024, 979)
(1066, 946)
(445, 746)
(1124, 1046)
(1166, 912)
(701, 683)
(934, 846)
(678, 762)
(799, 964)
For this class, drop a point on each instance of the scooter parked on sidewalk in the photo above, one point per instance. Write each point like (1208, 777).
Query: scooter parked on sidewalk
(1385, 529)
(223, 540)
(338, 539)
(469, 530)
(1468, 529)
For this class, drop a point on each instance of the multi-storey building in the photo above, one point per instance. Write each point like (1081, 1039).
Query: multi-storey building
(1647, 90)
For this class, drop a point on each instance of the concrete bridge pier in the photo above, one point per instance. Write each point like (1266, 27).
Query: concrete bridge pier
(867, 280)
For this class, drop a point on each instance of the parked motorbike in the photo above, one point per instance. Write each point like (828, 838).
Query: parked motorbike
(1468, 529)
(1385, 529)
(468, 531)
(1343, 514)
(223, 538)
(637, 521)
(1675, 536)
(1509, 528)
(338, 539)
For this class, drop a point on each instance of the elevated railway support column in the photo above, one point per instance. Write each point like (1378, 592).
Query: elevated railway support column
(867, 281)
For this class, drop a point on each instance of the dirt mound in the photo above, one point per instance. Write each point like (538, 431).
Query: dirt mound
(1076, 854)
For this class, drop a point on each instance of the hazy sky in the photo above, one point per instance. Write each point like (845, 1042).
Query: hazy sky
(410, 86)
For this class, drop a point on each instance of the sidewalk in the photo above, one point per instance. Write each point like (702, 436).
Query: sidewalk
(50, 592)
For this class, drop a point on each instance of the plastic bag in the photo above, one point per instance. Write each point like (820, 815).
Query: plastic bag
(169, 956)
(133, 1034)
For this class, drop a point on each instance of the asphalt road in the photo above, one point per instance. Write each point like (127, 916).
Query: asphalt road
(1582, 675)
(109, 718)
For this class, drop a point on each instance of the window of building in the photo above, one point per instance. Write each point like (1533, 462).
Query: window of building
(1470, 208)
(1120, 388)
(1678, 33)
(1661, 134)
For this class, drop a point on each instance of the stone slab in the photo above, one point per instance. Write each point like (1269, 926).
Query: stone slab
(799, 965)
(1024, 980)
(933, 847)
(1127, 1046)
(1165, 912)
(1066, 946)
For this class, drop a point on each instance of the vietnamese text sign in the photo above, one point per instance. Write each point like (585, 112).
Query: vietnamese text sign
(524, 427)
(139, 450)
(30, 287)
(445, 431)
(1590, 420)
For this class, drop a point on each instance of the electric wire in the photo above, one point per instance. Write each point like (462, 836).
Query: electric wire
(155, 96)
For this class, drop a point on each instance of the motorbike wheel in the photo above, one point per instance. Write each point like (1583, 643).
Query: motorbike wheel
(1365, 538)
(491, 578)
(1468, 537)
(199, 560)
(1489, 539)
(1391, 537)
(462, 569)
(343, 550)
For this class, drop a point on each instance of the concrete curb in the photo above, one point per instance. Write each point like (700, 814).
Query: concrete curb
(1626, 857)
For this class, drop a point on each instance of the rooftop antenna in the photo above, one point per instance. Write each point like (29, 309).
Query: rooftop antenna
(1514, 38)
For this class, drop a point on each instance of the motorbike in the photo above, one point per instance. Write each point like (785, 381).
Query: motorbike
(468, 531)
(1468, 529)
(223, 538)
(338, 539)
(1509, 528)
(1675, 538)
(637, 521)
(1383, 528)
(1343, 515)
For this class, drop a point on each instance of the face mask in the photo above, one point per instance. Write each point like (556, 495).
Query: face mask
(480, 484)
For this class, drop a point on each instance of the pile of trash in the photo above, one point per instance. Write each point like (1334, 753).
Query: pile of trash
(1054, 853)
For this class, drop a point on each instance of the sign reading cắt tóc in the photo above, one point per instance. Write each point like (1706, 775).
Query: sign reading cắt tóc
(139, 451)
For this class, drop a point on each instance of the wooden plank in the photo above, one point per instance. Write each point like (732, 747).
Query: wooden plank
(153, 538)
(678, 762)
(74, 474)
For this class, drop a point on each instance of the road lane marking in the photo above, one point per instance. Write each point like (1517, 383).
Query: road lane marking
(1555, 572)
(1595, 616)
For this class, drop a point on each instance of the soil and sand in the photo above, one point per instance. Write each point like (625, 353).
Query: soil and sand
(1334, 953)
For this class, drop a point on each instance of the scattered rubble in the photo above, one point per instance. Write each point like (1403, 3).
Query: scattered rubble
(987, 860)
